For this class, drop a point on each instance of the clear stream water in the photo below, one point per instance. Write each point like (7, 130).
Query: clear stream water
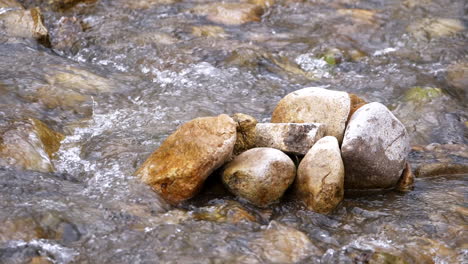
(156, 74)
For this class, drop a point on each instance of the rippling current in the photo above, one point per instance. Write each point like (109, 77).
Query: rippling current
(152, 65)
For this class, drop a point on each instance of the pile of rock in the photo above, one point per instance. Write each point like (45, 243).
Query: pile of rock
(341, 141)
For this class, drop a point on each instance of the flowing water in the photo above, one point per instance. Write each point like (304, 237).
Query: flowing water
(147, 69)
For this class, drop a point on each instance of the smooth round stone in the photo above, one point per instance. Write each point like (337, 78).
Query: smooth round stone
(374, 149)
(259, 175)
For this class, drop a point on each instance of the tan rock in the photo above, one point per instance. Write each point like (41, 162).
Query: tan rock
(295, 138)
(259, 175)
(178, 168)
(55, 97)
(10, 4)
(406, 181)
(245, 132)
(429, 28)
(29, 144)
(208, 31)
(23, 23)
(73, 78)
(145, 4)
(283, 244)
(320, 176)
(315, 105)
(230, 13)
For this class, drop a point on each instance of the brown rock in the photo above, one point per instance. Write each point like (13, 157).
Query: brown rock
(40, 260)
(315, 105)
(356, 103)
(178, 168)
(230, 13)
(259, 175)
(320, 176)
(245, 132)
(406, 181)
(229, 212)
(440, 168)
(29, 144)
(295, 138)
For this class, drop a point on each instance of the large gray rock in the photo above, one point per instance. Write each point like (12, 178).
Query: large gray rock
(296, 138)
(315, 105)
(374, 149)
(179, 167)
(320, 176)
(259, 175)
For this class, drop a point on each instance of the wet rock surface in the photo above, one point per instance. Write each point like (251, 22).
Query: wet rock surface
(22, 23)
(320, 176)
(282, 244)
(439, 159)
(295, 138)
(315, 105)
(374, 148)
(230, 13)
(259, 175)
(178, 168)
(28, 144)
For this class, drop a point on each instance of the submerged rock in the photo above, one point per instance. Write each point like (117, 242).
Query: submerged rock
(230, 13)
(457, 78)
(429, 28)
(227, 212)
(288, 137)
(66, 36)
(374, 149)
(66, 4)
(320, 176)
(10, 4)
(208, 31)
(29, 144)
(24, 24)
(245, 132)
(259, 175)
(145, 4)
(73, 78)
(283, 244)
(439, 159)
(406, 181)
(315, 105)
(178, 168)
